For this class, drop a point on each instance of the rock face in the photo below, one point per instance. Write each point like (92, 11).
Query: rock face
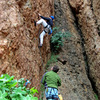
(79, 59)
(96, 10)
(89, 28)
(75, 83)
(19, 39)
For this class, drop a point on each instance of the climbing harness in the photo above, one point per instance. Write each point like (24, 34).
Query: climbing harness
(48, 29)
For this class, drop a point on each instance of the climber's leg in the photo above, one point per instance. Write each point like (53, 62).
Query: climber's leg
(42, 21)
(41, 38)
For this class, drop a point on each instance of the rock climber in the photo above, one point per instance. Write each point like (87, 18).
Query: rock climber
(47, 23)
(51, 81)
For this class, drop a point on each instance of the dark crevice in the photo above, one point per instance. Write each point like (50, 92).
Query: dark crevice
(92, 5)
(63, 62)
(82, 39)
(98, 28)
(93, 85)
(87, 67)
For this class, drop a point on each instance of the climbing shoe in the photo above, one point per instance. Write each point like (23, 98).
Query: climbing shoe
(34, 23)
(40, 45)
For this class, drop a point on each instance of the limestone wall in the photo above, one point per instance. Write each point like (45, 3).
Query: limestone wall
(71, 61)
(88, 21)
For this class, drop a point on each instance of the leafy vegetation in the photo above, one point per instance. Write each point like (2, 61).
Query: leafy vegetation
(11, 89)
(42, 89)
(52, 59)
(58, 38)
(96, 97)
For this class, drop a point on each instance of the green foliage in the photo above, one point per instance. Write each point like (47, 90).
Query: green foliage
(33, 91)
(11, 89)
(58, 39)
(52, 59)
(96, 97)
(42, 89)
(3, 95)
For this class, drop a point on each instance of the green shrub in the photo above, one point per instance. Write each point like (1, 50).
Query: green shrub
(11, 89)
(96, 97)
(52, 59)
(57, 39)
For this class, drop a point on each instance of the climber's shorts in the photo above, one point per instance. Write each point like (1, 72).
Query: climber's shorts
(51, 93)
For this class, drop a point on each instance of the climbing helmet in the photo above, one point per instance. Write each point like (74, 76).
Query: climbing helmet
(52, 17)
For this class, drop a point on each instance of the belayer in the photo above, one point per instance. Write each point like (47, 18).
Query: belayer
(51, 81)
(47, 23)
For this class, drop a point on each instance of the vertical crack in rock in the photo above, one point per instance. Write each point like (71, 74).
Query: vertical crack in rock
(89, 29)
(82, 41)
(75, 83)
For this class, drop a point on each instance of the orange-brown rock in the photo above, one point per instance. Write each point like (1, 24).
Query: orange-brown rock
(89, 28)
(19, 39)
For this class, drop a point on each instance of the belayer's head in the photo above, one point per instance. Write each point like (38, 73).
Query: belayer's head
(52, 17)
(55, 68)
